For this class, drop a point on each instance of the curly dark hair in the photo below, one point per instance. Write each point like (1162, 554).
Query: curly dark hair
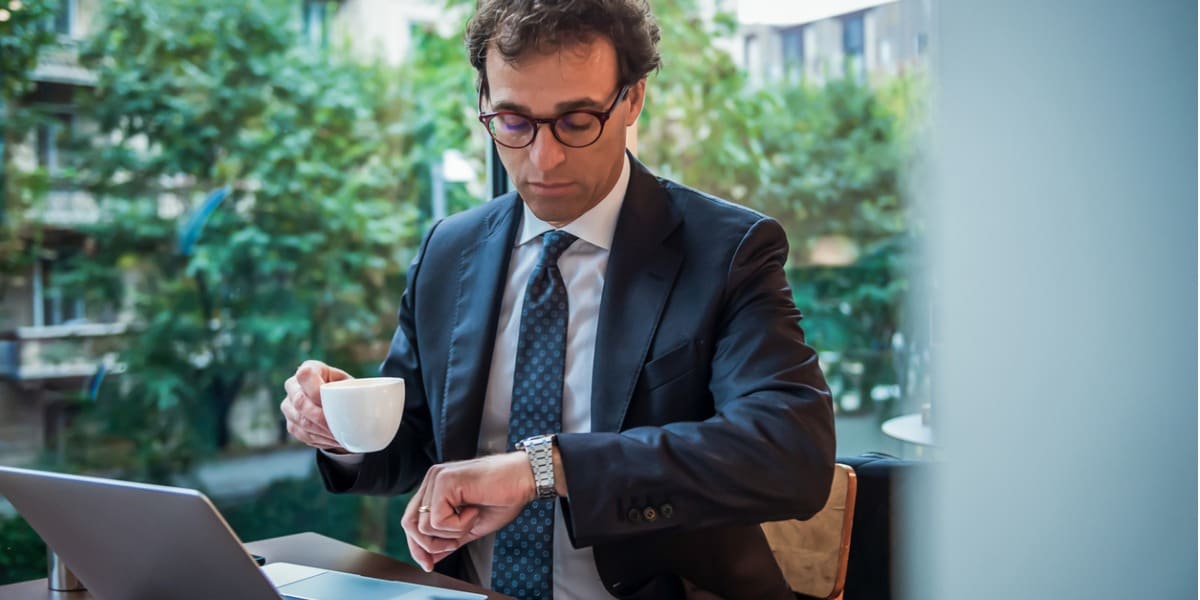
(519, 26)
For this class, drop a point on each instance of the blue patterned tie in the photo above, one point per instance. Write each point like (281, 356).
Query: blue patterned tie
(522, 558)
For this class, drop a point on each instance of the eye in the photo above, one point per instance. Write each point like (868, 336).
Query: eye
(512, 123)
(577, 121)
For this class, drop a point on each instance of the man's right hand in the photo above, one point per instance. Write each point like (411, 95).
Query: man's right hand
(302, 406)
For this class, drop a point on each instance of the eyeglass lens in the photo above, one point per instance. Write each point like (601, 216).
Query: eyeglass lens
(572, 129)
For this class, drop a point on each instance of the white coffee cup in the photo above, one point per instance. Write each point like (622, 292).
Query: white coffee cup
(364, 414)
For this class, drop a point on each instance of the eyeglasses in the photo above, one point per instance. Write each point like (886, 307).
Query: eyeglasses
(574, 129)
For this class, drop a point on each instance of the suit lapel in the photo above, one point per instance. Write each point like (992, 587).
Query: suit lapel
(641, 272)
(482, 271)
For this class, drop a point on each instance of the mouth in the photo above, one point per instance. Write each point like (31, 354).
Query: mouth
(550, 189)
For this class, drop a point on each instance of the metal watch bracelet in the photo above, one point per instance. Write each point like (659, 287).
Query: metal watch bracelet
(540, 450)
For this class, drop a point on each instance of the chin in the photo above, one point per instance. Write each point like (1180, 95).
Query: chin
(554, 211)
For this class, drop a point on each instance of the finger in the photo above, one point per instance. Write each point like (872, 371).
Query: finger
(335, 374)
(443, 499)
(416, 543)
(325, 443)
(305, 417)
(416, 521)
(291, 386)
(468, 515)
(312, 417)
(299, 428)
(437, 520)
(423, 558)
(410, 511)
(305, 407)
(313, 365)
(310, 378)
(432, 544)
(290, 414)
(468, 518)
(313, 373)
(311, 439)
(326, 372)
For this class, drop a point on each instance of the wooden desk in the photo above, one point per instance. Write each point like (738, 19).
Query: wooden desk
(303, 549)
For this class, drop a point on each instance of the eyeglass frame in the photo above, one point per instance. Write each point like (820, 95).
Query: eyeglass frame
(603, 116)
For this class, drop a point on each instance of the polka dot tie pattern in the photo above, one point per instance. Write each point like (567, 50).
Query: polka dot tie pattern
(522, 557)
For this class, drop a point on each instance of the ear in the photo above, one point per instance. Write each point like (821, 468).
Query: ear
(637, 99)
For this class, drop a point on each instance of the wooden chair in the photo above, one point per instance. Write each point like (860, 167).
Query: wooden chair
(813, 553)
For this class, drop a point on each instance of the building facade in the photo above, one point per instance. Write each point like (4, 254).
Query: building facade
(819, 39)
(55, 346)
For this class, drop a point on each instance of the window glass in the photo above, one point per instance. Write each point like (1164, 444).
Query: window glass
(203, 208)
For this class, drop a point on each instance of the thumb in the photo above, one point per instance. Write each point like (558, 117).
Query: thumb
(329, 374)
(335, 374)
(313, 373)
(465, 519)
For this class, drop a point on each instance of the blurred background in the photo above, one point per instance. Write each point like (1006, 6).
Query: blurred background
(197, 196)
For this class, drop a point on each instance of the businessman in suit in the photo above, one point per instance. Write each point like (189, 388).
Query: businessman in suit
(607, 383)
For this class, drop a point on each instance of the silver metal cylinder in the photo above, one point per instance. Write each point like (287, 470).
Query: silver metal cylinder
(59, 578)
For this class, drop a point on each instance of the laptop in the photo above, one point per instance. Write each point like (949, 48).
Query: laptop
(134, 541)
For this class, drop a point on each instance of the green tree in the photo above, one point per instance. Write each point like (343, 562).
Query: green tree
(436, 86)
(826, 160)
(23, 34)
(24, 555)
(302, 257)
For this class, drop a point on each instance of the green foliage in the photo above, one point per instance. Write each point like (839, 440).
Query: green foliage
(821, 159)
(436, 93)
(22, 36)
(289, 506)
(697, 120)
(827, 161)
(22, 552)
(328, 162)
(299, 261)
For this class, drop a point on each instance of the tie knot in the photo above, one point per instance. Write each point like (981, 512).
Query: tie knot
(554, 243)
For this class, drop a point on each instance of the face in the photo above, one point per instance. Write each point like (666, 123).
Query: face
(559, 183)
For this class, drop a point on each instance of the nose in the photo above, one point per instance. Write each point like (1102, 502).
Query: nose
(546, 152)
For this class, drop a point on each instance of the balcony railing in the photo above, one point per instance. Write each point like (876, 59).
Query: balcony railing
(68, 208)
(59, 351)
(59, 63)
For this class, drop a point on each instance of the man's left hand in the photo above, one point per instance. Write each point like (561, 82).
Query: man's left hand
(460, 502)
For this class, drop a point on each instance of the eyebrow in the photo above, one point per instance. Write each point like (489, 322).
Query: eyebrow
(561, 107)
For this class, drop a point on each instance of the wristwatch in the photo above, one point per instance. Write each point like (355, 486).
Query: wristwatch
(540, 450)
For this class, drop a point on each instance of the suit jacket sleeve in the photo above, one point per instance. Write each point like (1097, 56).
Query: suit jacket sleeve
(766, 454)
(399, 467)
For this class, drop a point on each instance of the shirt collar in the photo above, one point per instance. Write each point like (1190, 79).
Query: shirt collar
(596, 226)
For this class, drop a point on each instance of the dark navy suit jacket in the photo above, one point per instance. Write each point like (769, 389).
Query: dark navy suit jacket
(709, 412)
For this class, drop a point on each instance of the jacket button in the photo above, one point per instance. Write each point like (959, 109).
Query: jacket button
(667, 511)
(635, 516)
(649, 514)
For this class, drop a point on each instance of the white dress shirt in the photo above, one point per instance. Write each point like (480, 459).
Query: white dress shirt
(583, 266)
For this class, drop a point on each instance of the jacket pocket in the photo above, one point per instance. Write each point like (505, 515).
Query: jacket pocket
(669, 366)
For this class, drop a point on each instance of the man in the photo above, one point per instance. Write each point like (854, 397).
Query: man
(608, 387)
